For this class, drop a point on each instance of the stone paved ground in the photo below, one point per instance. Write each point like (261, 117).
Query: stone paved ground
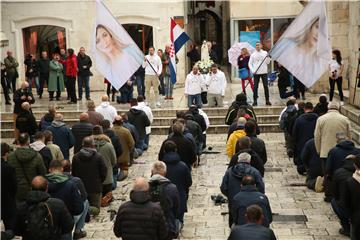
(205, 220)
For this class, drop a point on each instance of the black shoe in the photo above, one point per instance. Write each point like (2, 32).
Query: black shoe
(255, 104)
(79, 234)
(88, 99)
(40, 96)
(51, 99)
(268, 103)
(7, 103)
(327, 199)
(57, 98)
(342, 231)
(71, 102)
(79, 99)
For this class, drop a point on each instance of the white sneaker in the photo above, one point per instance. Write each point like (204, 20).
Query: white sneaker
(341, 103)
(158, 104)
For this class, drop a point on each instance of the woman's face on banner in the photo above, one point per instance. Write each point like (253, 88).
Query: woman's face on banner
(313, 33)
(104, 41)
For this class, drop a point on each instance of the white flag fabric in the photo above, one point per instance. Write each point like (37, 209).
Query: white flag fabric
(116, 54)
(304, 49)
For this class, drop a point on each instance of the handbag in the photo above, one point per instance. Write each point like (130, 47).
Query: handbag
(244, 73)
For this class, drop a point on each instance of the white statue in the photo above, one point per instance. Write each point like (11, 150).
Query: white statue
(205, 51)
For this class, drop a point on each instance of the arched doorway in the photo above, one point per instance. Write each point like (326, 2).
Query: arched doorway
(141, 34)
(40, 38)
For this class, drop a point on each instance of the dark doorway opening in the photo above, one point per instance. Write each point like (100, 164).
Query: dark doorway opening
(141, 34)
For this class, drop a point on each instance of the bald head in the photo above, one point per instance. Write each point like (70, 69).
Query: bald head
(59, 117)
(159, 168)
(51, 109)
(88, 142)
(140, 185)
(104, 98)
(25, 106)
(39, 183)
(84, 116)
(24, 85)
(241, 121)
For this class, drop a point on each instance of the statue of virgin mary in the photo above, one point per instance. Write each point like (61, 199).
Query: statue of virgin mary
(205, 51)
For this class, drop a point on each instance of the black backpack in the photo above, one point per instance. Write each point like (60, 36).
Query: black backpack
(39, 222)
(158, 194)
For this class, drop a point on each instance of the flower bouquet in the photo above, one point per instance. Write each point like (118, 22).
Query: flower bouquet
(204, 65)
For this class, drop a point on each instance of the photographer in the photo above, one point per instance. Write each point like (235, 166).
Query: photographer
(336, 68)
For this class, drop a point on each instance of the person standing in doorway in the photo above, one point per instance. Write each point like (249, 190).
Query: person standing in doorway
(31, 72)
(12, 74)
(43, 65)
(336, 68)
(63, 57)
(153, 68)
(71, 72)
(258, 65)
(56, 78)
(84, 65)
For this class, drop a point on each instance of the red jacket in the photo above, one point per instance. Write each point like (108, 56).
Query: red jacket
(71, 66)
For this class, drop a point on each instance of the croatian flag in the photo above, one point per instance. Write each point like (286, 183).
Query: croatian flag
(178, 38)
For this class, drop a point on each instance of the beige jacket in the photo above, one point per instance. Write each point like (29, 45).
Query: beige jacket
(127, 144)
(326, 128)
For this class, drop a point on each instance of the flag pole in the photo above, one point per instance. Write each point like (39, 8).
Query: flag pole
(153, 69)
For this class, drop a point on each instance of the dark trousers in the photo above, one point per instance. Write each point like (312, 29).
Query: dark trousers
(341, 214)
(71, 86)
(11, 81)
(338, 82)
(265, 85)
(161, 86)
(140, 85)
(112, 90)
(67, 87)
(84, 81)
(106, 189)
(299, 88)
(58, 92)
(44, 78)
(5, 88)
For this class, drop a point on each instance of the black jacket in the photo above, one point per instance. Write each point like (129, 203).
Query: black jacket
(115, 141)
(251, 231)
(84, 65)
(62, 187)
(338, 154)
(311, 160)
(31, 68)
(26, 123)
(351, 202)
(81, 130)
(247, 196)
(89, 166)
(339, 179)
(185, 148)
(8, 190)
(258, 145)
(18, 101)
(321, 109)
(43, 66)
(46, 121)
(79, 183)
(140, 219)
(194, 128)
(198, 118)
(233, 111)
(180, 175)
(139, 119)
(63, 221)
(256, 161)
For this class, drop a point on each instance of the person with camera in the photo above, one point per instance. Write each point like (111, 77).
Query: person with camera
(336, 68)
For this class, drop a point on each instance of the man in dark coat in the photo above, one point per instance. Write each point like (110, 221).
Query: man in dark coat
(140, 120)
(43, 66)
(80, 130)
(63, 222)
(48, 118)
(140, 218)
(340, 177)
(240, 102)
(62, 135)
(162, 190)
(8, 192)
(257, 144)
(253, 229)
(22, 95)
(312, 163)
(84, 65)
(115, 141)
(39, 146)
(178, 173)
(25, 120)
(185, 147)
(89, 166)
(247, 196)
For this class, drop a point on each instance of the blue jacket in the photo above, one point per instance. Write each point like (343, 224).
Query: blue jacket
(311, 160)
(180, 175)
(62, 187)
(337, 155)
(251, 231)
(231, 183)
(247, 196)
(63, 137)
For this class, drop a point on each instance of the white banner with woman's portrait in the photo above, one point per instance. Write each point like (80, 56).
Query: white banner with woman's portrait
(304, 49)
(116, 54)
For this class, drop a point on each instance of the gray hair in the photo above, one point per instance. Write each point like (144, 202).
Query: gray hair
(244, 157)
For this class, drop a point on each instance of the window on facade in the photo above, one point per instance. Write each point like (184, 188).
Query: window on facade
(43, 38)
(141, 34)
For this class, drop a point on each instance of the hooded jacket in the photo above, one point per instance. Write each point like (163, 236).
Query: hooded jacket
(89, 166)
(350, 201)
(258, 145)
(44, 151)
(251, 231)
(140, 219)
(234, 108)
(147, 110)
(339, 179)
(193, 127)
(311, 160)
(231, 142)
(180, 175)
(61, 187)
(172, 195)
(80, 130)
(63, 221)
(127, 144)
(139, 119)
(46, 121)
(247, 196)
(55, 151)
(26, 123)
(255, 161)
(115, 141)
(63, 137)
(109, 112)
(107, 151)
(28, 164)
(8, 190)
(231, 182)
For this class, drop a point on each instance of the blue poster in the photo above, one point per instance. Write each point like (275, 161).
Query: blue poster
(250, 37)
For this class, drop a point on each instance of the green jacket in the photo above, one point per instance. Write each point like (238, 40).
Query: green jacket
(11, 66)
(28, 164)
(55, 71)
(107, 151)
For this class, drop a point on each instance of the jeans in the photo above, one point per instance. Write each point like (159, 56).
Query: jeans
(125, 96)
(79, 220)
(146, 140)
(84, 80)
(340, 213)
(195, 99)
(168, 86)
(37, 84)
(141, 144)
(140, 85)
(265, 85)
(338, 82)
(11, 81)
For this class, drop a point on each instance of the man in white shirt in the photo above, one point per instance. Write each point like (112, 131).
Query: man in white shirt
(108, 111)
(153, 68)
(258, 66)
(142, 106)
(193, 84)
(216, 85)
